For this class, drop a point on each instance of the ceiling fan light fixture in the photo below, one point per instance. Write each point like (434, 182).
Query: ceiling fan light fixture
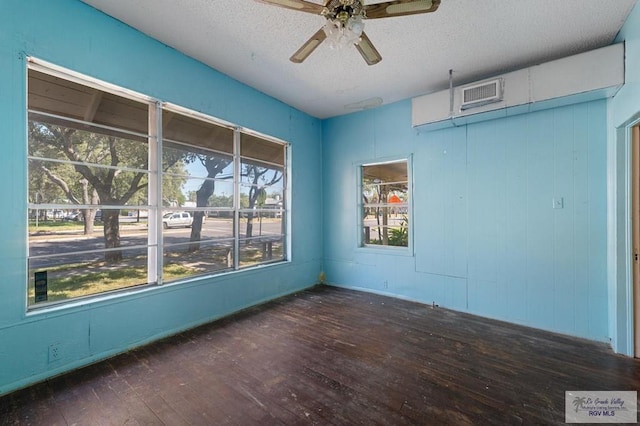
(330, 29)
(356, 25)
(340, 35)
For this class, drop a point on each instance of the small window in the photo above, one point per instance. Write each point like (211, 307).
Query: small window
(385, 201)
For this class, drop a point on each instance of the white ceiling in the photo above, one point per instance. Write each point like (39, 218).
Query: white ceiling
(252, 42)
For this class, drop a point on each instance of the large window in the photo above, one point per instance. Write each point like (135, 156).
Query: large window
(124, 192)
(231, 185)
(384, 210)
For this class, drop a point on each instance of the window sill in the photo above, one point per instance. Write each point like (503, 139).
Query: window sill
(142, 291)
(387, 250)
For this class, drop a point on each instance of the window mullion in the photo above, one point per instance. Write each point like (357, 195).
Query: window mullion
(237, 172)
(155, 257)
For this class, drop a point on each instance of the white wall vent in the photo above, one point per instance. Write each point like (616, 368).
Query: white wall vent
(481, 94)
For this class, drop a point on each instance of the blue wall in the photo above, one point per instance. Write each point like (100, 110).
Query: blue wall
(487, 239)
(73, 35)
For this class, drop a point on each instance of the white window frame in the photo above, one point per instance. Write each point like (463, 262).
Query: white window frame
(155, 239)
(385, 249)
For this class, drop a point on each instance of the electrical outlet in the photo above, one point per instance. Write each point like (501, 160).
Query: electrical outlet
(385, 285)
(55, 352)
(558, 203)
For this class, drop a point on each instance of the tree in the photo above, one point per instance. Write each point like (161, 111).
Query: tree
(110, 185)
(214, 164)
(259, 178)
(41, 189)
(87, 214)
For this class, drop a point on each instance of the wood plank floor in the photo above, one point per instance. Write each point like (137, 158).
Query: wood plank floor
(333, 356)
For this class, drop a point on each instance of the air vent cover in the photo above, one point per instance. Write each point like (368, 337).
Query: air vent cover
(481, 94)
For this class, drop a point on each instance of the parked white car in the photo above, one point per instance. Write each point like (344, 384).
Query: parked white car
(176, 220)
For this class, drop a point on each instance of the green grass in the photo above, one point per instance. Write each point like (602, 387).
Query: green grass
(62, 226)
(73, 280)
(53, 225)
(78, 281)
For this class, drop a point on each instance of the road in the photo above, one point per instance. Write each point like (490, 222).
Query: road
(133, 234)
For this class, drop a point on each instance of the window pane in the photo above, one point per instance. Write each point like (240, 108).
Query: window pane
(218, 227)
(191, 252)
(198, 258)
(261, 174)
(256, 148)
(261, 250)
(195, 176)
(65, 98)
(261, 236)
(262, 187)
(261, 223)
(73, 253)
(256, 197)
(84, 274)
(196, 132)
(196, 162)
(196, 192)
(179, 226)
(54, 232)
(70, 166)
(60, 183)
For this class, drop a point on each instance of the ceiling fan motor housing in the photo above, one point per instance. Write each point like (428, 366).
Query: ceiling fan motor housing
(342, 10)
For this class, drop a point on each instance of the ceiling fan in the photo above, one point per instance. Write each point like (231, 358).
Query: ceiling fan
(345, 22)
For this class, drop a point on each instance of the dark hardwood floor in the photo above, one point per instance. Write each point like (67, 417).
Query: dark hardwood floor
(333, 356)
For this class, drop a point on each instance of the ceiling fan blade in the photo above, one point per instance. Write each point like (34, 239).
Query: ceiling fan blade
(310, 45)
(301, 5)
(368, 52)
(400, 8)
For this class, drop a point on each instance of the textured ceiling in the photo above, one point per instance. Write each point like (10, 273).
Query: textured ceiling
(252, 42)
